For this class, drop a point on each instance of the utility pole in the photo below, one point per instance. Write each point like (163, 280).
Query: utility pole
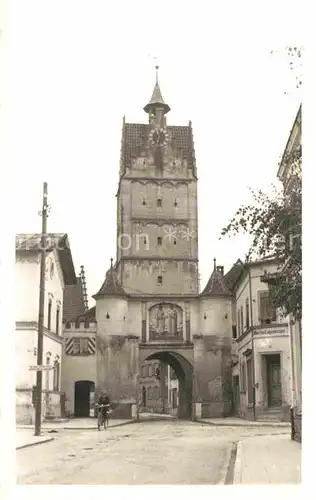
(253, 350)
(39, 373)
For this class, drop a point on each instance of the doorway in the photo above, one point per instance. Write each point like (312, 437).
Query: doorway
(236, 395)
(84, 391)
(274, 386)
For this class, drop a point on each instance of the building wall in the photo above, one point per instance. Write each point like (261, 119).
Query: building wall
(27, 279)
(272, 338)
(77, 367)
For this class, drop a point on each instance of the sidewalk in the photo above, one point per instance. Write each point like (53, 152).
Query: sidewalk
(268, 460)
(77, 424)
(232, 422)
(26, 438)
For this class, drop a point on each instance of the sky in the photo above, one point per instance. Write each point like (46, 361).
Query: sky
(79, 66)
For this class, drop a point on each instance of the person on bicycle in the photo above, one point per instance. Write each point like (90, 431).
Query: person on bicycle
(104, 400)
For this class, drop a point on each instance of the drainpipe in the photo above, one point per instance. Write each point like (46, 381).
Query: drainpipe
(253, 349)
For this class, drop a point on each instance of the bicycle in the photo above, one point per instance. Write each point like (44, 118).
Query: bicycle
(103, 417)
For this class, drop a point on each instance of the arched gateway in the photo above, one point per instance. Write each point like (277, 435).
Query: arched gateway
(150, 306)
(184, 371)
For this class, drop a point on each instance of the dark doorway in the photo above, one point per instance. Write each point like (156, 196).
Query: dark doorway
(274, 380)
(236, 395)
(84, 389)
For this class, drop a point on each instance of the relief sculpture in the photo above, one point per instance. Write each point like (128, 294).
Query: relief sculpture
(166, 321)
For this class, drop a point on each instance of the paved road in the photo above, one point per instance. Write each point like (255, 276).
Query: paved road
(160, 452)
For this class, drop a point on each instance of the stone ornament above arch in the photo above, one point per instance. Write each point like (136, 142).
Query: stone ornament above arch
(165, 321)
(171, 182)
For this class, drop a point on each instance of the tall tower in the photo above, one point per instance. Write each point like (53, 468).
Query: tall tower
(157, 224)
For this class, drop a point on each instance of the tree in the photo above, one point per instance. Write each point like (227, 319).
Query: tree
(275, 223)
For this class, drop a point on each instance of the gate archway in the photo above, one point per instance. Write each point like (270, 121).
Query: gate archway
(184, 372)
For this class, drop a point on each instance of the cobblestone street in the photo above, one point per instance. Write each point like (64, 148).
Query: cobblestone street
(160, 452)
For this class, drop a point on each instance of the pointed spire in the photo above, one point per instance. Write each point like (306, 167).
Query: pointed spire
(216, 284)
(156, 98)
(111, 286)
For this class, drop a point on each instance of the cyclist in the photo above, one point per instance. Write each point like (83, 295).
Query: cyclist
(104, 400)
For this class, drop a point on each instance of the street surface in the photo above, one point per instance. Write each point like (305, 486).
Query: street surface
(157, 452)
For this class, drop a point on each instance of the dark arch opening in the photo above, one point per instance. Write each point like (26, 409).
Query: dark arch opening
(84, 389)
(184, 373)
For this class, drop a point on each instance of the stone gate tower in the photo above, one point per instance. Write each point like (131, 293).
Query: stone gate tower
(149, 305)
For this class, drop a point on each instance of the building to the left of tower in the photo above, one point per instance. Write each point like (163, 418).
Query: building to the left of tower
(59, 274)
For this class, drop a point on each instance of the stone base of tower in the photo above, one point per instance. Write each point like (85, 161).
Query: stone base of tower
(117, 373)
(212, 376)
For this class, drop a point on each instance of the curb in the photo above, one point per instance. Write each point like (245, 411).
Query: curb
(246, 424)
(238, 465)
(47, 440)
(226, 466)
(71, 428)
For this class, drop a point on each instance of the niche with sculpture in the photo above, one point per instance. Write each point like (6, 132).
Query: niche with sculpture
(165, 322)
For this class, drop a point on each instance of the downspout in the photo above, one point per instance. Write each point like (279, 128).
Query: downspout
(253, 350)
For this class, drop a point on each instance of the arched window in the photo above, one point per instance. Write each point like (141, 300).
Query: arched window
(49, 314)
(57, 319)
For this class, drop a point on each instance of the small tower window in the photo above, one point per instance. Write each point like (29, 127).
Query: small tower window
(107, 316)
(159, 280)
(159, 202)
(145, 240)
(175, 204)
(174, 242)
(144, 202)
(159, 240)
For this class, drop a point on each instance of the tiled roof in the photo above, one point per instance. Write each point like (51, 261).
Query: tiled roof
(136, 141)
(88, 315)
(73, 301)
(27, 242)
(216, 285)
(111, 286)
(234, 274)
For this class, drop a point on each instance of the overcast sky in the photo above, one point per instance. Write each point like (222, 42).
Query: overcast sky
(80, 66)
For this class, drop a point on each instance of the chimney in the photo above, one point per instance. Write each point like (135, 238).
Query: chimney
(220, 269)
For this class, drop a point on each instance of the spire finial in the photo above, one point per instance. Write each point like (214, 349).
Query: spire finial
(157, 69)
(111, 263)
(214, 263)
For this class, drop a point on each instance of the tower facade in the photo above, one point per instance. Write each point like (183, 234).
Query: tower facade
(157, 226)
(149, 306)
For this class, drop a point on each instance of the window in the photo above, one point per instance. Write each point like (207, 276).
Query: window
(174, 242)
(149, 393)
(238, 321)
(145, 240)
(56, 376)
(234, 331)
(68, 325)
(247, 314)
(49, 315)
(175, 203)
(159, 240)
(159, 202)
(57, 319)
(143, 371)
(159, 280)
(80, 346)
(243, 377)
(144, 202)
(267, 312)
(241, 319)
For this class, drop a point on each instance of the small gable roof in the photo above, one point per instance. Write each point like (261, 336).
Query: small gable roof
(26, 242)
